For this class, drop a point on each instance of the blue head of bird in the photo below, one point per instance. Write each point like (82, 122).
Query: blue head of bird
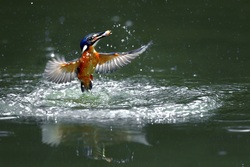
(92, 39)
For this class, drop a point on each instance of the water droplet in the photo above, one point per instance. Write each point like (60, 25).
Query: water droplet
(61, 19)
(173, 68)
(128, 23)
(115, 18)
(222, 153)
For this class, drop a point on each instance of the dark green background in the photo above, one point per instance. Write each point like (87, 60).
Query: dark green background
(208, 38)
(200, 45)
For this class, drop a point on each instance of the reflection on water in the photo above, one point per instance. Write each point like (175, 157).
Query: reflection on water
(91, 141)
(109, 123)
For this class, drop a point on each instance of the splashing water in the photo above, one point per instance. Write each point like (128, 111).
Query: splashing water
(134, 99)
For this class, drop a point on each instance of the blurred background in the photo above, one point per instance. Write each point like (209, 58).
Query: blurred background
(204, 37)
(184, 102)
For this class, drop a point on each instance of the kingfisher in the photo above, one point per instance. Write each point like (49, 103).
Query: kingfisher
(59, 71)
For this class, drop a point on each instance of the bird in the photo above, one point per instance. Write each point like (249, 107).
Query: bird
(58, 70)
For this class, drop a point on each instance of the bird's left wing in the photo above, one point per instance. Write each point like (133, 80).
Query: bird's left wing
(59, 71)
(111, 61)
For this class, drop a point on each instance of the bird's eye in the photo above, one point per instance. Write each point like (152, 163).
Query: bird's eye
(92, 37)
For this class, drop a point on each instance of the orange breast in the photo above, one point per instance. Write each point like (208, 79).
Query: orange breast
(88, 62)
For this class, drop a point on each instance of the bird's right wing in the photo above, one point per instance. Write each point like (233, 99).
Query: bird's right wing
(111, 61)
(59, 71)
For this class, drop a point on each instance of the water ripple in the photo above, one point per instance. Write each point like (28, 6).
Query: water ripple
(6, 133)
(239, 129)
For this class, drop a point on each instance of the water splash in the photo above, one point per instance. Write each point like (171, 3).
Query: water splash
(135, 100)
(126, 38)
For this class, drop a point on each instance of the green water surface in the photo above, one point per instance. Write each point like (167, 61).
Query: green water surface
(184, 102)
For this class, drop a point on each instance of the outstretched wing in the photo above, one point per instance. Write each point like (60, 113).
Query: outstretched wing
(111, 61)
(59, 71)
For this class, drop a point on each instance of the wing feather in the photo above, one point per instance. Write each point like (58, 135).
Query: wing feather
(111, 61)
(59, 71)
